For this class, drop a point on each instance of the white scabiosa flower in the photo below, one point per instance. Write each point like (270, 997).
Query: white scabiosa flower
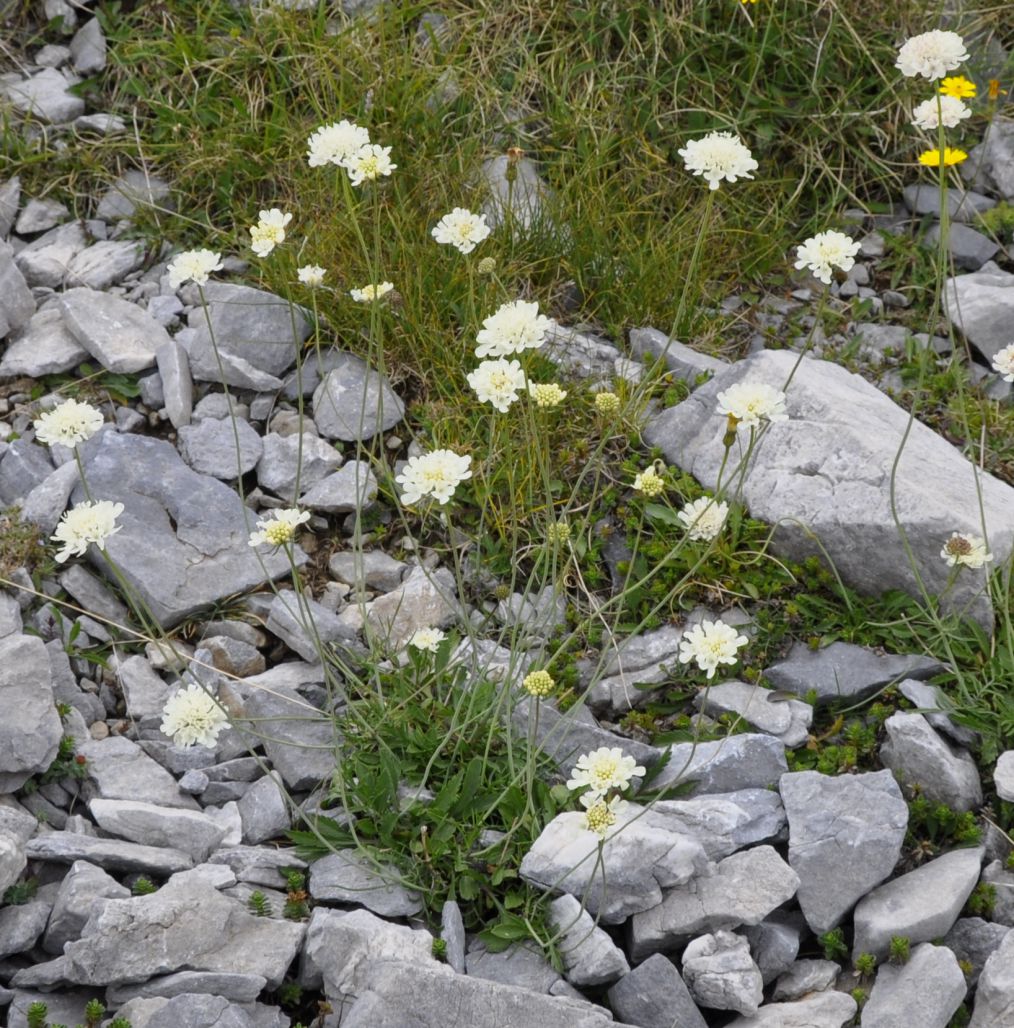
(512, 328)
(649, 482)
(435, 474)
(193, 265)
(546, 394)
(704, 518)
(280, 528)
(192, 718)
(427, 639)
(950, 113)
(749, 402)
(461, 229)
(963, 550)
(710, 644)
(269, 231)
(84, 524)
(497, 382)
(311, 275)
(931, 55)
(371, 292)
(604, 769)
(334, 143)
(369, 162)
(1003, 362)
(718, 156)
(826, 251)
(71, 423)
(601, 814)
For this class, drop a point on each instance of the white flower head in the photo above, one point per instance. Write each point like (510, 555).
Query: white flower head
(280, 528)
(601, 814)
(427, 639)
(84, 524)
(269, 231)
(497, 382)
(369, 162)
(195, 265)
(311, 275)
(649, 482)
(710, 644)
(825, 251)
(371, 292)
(931, 55)
(718, 156)
(749, 402)
(332, 144)
(512, 328)
(71, 423)
(1003, 362)
(951, 112)
(192, 718)
(963, 550)
(461, 229)
(547, 394)
(604, 769)
(435, 474)
(704, 518)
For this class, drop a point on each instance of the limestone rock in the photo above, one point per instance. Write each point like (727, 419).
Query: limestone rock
(980, 306)
(721, 975)
(351, 877)
(994, 999)
(194, 833)
(425, 599)
(926, 990)
(45, 96)
(653, 995)
(823, 1010)
(119, 335)
(209, 447)
(355, 402)
(589, 956)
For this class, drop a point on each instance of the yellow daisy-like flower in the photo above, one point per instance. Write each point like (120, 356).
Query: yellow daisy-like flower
(748, 1)
(951, 155)
(958, 86)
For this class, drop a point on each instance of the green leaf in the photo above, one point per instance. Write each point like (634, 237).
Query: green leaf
(656, 512)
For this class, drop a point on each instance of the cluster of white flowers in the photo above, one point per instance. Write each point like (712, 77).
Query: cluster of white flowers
(84, 524)
(710, 644)
(601, 814)
(461, 229)
(514, 327)
(193, 265)
(191, 717)
(749, 402)
(546, 394)
(435, 474)
(948, 111)
(368, 163)
(311, 275)
(371, 292)
(1003, 362)
(964, 550)
(704, 518)
(825, 251)
(428, 639)
(336, 143)
(280, 528)
(497, 382)
(649, 482)
(71, 423)
(718, 156)
(931, 55)
(269, 231)
(604, 769)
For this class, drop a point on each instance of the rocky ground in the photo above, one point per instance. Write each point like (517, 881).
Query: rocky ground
(128, 876)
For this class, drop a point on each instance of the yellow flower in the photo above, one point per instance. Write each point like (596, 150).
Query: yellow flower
(958, 86)
(539, 683)
(931, 158)
(994, 89)
(748, 1)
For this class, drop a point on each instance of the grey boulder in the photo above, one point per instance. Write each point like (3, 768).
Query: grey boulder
(589, 956)
(994, 999)
(721, 975)
(821, 1010)
(45, 96)
(927, 990)
(43, 346)
(355, 402)
(653, 995)
(210, 447)
(16, 302)
(980, 306)
(349, 876)
(990, 165)
(119, 335)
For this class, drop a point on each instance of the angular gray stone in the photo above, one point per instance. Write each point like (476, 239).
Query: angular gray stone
(963, 205)
(144, 692)
(1003, 776)
(746, 761)
(88, 48)
(21, 926)
(132, 190)
(774, 943)
(926, 990)
(933, 705)
(84, 890)
(197, 1010)
(452, 931)
(353, 487)
(653, 995)
(973, 940)
(10, 197)
(45, 96)
(922, 760)
(823, 1010)
(24, 466)
(980, 305)
(742, 889)
(291, 620)
(118, 769)
(521, 203)
(105, 263)
(40, 216)
(63, 1007)
(45, 504)
(119, 335)
(845, 836)
(844, 671)
(990, 165)
(16, 302)
(922, 905)
(589, 956)
(264, 810)
(355, 402)
(373, 568)
(67, 847)
(425, 599)
(969, 248)
(276, 470)
(188, 830)
(92, 594)
(806, 976)
(351, 877)
(682, 360)
(184, 538)
(42, 347)
(102, 124)
(233, 986)
(829, 468)
(45, 260)
(209, 447)
(721, 975)
(994, 999)
(30, 728)
(256, 329)
(1002, 880)
(522, 964)
(788, 720)
(641, 857)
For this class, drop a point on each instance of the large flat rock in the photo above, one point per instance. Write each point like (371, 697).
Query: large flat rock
(980, 306)
(828, 470)
(184, 537)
